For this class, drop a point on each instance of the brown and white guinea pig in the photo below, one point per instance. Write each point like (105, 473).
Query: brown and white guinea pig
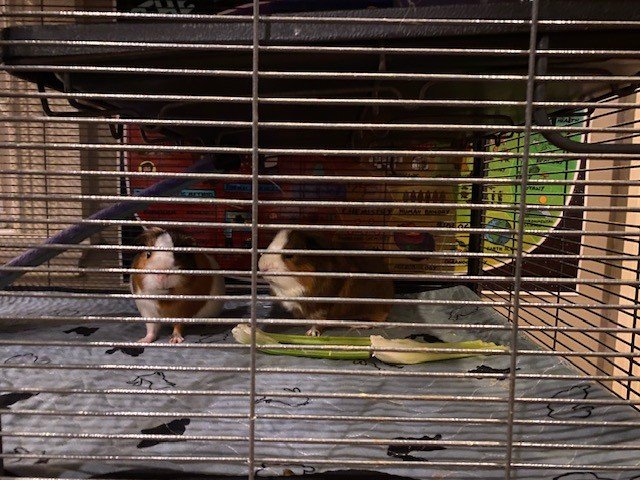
(310, 286)
(173, 283)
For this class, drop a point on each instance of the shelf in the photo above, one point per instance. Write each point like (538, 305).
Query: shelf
(36, 61)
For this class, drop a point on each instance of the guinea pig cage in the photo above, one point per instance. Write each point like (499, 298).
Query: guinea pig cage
(480, 155)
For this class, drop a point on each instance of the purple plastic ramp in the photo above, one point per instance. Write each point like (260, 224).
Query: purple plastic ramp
(79, 232)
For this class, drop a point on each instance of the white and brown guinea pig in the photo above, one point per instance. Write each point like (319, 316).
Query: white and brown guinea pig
(310, 286)
(174, 283)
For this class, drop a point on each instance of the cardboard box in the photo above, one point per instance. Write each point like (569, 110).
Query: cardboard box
(365, 216)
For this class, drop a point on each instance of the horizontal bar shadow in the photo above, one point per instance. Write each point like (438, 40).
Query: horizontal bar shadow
(172, 475)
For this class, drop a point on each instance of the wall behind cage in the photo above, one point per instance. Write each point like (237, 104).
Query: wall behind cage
(40, 185)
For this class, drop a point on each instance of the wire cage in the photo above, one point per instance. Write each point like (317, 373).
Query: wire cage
(415, 180)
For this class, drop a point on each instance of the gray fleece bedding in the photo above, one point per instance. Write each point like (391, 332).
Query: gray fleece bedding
(145, 382)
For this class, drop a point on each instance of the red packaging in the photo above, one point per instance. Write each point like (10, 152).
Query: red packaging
(310, 192)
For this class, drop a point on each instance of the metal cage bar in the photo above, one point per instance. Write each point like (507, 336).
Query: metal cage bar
(423, 137)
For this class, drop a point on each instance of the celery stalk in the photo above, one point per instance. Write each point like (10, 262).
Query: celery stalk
(307, 340)
(323, 354)
(423, 351)
(242, 334)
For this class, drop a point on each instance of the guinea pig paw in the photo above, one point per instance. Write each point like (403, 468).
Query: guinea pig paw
(175, 338)
(361, 327)
(314, 332)
(147, 339)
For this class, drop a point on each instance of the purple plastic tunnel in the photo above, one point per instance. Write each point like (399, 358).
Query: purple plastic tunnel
(77, 233)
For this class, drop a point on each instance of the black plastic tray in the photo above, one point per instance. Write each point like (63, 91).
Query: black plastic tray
(33, 61)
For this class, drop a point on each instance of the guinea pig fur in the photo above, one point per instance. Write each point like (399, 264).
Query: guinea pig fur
(173, 283)
(310, 286)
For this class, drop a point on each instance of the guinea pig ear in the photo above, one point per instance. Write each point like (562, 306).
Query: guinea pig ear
(142, 239)
(316, 242)
(152, 229)
(182, 239)
(148, 236)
